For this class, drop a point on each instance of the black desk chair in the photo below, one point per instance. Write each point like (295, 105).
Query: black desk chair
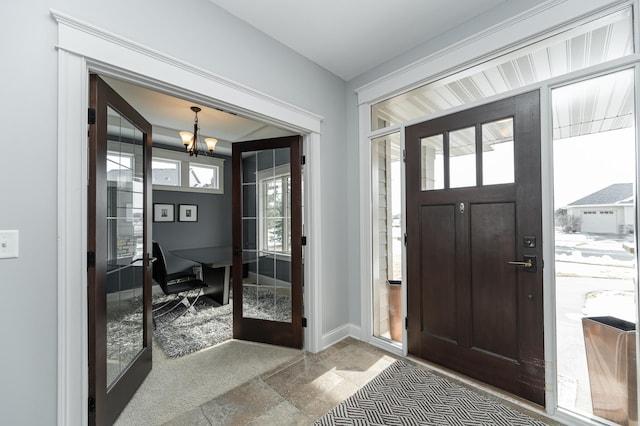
(176, 277)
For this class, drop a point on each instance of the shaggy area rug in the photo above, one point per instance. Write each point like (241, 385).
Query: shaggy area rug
(406, 395)
(180, 333)
(207, 323)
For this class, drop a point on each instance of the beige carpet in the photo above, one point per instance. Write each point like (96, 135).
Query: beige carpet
(175, 386)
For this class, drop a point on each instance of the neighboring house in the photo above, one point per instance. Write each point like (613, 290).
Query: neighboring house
(607, 211)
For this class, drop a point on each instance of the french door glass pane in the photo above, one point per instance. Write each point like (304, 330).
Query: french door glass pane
(594, 151)
(124, 244)
(266, 216)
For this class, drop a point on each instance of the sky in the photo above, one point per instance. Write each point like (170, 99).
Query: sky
(586, 164)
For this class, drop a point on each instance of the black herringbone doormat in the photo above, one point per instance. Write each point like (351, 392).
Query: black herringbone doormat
(405, 395)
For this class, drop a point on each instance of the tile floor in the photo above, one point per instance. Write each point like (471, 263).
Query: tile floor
(297, 393)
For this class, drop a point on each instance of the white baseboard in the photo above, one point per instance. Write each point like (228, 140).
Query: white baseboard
(340, 333)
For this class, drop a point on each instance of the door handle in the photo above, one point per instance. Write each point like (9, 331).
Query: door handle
(529, 263)
(526, 264)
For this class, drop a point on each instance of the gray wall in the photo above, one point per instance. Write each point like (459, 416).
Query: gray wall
(213, 227)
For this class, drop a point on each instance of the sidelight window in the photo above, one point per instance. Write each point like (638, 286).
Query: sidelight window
(386, 164)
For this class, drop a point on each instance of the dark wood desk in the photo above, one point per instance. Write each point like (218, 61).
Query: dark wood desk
(213, 260)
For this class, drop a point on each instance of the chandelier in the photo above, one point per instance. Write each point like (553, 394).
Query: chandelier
(191, 140)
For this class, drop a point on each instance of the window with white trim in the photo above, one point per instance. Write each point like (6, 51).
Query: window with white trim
(165, 171)
(203, 176)
(275, 210)
(177, 171)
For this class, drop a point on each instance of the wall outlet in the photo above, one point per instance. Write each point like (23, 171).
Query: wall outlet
(8, 244)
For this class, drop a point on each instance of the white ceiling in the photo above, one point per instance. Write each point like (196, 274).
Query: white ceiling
(350, 37)
(169, 115)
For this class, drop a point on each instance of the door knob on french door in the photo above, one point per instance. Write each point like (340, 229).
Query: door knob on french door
(528, 263)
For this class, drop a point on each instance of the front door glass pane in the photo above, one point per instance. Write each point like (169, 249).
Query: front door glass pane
(497, 152)
(432, 162)
(124, 244)
(462, 158)
(594, 151)
(266, 218)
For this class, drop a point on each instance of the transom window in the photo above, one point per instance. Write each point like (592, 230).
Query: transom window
(165, 172)
(203, 176)
(176, 171)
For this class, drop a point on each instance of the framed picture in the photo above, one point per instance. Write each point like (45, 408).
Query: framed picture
(188, 213)
(163, 212)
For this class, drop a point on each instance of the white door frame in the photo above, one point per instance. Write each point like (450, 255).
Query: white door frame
(83, 48)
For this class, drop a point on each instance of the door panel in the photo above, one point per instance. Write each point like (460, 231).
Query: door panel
(439, 270)
(119, 283)
(267, 240)
(493, 294)
(473, 194)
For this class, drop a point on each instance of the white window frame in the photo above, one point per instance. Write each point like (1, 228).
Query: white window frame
(168, 160)
(185, 161)
(216, 172)
(283, 173)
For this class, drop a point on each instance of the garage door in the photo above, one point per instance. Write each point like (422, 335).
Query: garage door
(599, 221)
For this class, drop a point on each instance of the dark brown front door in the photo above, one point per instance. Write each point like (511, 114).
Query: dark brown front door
(119, 247)
(267, 241)
(474, 244)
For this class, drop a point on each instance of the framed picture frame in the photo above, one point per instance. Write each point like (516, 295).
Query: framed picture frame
(188, 213)
(163, 212)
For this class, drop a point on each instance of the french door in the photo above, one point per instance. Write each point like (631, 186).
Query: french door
(267, 241)
(474, 246)
(119, 247)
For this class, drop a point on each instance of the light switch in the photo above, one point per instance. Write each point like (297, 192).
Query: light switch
(8, 244)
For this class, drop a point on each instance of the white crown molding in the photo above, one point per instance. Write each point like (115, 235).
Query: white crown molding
(79, 37)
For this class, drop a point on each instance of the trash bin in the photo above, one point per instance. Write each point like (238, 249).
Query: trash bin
(395, 309)
(610, 344)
